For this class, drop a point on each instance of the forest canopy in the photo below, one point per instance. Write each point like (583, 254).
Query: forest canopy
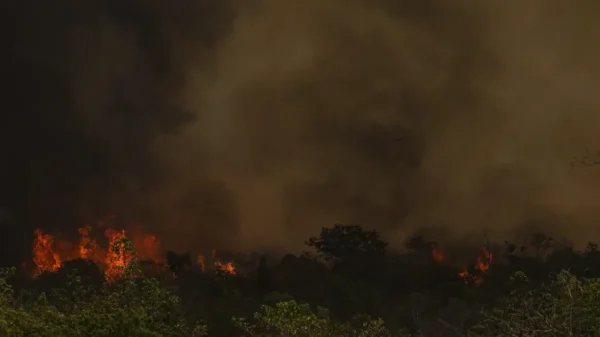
(349, 285)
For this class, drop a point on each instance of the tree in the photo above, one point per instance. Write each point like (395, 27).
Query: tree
(263, 274)
(344, 242)
(127, 306)
(291, 319)
(565, 307)
(541, 243)
(178, 263)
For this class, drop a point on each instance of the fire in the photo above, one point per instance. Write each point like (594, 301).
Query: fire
(201, 261)
(226, 267)
(44, 256)
(483, 264)
(49, 254)
(88, 247)
(470, 278)
(484, 260)
(436, 253)
(117, 259)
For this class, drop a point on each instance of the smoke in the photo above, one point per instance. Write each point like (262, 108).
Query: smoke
(249, 125)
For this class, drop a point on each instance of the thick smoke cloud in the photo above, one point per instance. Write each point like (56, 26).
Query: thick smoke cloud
(249, 125)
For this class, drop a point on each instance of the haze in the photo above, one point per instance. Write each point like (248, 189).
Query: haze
(252, 124)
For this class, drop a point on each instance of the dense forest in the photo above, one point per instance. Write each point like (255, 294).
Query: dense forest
(347, 284)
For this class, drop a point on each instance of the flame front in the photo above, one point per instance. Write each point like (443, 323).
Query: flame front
(48, 254)
(44, 256)
(88, 247)
(117, 258)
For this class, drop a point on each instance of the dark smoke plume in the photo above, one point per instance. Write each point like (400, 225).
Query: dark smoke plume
(251, 124)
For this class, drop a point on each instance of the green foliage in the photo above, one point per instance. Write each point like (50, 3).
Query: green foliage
(565, 307)
(291, 319)
(407, 290)
(131, 307)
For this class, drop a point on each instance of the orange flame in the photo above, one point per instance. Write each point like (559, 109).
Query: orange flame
(48, 254)
(116, 259)
(201, 261)
(88, 247)
(226, 267)
(484, 261)
(44, 256)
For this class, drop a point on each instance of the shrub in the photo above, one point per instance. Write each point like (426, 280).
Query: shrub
(565, 307)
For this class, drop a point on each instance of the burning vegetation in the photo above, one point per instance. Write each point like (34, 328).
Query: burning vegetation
(49, 254)
(349, 269)
(484, 261)
(472, 274)
(113, 259)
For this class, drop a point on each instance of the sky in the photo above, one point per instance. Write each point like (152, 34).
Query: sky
(249, 125)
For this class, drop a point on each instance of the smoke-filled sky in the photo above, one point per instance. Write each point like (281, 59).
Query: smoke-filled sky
(252, 124)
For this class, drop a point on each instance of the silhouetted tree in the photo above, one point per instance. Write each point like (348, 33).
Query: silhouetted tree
(264, 285)
(541, 243)
(178, 262)
(346, 242)
(356, 253)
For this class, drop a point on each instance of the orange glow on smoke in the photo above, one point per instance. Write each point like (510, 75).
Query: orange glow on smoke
(148, 248)
(436, 253)
(201, 261)
(88, 247)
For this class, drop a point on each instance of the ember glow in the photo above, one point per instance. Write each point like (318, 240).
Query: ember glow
(484, 261)
(226, 267)
(201, 260)
(49, 254)
(436, 253)
(482, 264)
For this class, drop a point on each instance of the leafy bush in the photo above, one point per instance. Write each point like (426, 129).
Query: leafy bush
(129, 307)
(291, 319)
(565, 307)
(353, 275)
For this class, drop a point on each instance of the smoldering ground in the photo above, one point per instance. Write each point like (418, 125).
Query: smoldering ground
(249, 125)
